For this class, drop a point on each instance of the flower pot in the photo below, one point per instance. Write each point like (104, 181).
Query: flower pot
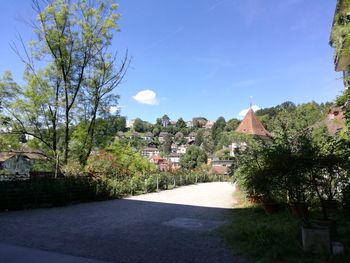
(299, 210)
(316, 239)
(272, 208)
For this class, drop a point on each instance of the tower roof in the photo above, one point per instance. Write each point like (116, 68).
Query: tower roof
(252, 125)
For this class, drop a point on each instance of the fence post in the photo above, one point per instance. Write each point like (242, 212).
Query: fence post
(174, 181)
(157, 183)
(145, 186)
(180, 179)
(196, 178)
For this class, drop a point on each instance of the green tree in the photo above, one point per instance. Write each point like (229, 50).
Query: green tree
(193, 157)
(217, 129)
(77, 84)
(232, 124)
(180, 124)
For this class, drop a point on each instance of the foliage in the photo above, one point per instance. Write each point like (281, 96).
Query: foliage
(70, 75)
(274, 238)
(217, 129)
(118, 161)
(193, 157)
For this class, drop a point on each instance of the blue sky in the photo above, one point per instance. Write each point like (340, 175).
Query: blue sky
(207, 57)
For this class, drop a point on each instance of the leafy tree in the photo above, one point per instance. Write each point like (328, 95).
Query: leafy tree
(139, 125)
(232, 124)
(165, 120)
(199, 122)
(217, 129)
(77, 84)
(193, 157)
(166, 145)
(180, 124)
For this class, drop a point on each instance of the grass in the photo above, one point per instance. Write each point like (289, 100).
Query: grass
(276, 238)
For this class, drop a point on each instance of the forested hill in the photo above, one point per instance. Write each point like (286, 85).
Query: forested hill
(301, 115)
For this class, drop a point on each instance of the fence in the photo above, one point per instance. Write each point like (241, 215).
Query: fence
(47, 192)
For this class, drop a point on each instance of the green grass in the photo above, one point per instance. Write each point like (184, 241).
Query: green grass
(276, 238)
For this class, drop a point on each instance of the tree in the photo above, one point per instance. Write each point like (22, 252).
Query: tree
(165, 120)
(193, 157)
(180, 124)
(77, 84)
(217, 129)
(139, 125)
(232, 124)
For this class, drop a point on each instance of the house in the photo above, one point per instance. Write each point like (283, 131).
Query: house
(149, 152)
(161, 163)
(174, 147)
(174, 158)
(252, 125)
(221, 167)
(209, 125)
(335, 120)
(148, 136)
(189, 124)
(162, 136)
(181, 149)
(135, 135)
(191, 137)
(130, 123)
(18, 163)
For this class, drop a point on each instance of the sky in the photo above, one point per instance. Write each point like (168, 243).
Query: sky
(208, 58)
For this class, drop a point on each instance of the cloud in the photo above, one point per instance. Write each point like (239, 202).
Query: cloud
(242, 113)
(146, 96)
(114, 109)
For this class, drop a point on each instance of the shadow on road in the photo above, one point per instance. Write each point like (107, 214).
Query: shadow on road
(122, 231)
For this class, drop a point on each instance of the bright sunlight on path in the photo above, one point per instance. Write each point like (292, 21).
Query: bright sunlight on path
(218, 195)
(170, 226)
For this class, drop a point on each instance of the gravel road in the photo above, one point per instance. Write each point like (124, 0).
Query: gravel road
(171, 226)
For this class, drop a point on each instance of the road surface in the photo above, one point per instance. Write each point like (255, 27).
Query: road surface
(171, 226)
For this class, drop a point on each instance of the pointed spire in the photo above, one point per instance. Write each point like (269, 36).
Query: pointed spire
(252, 125)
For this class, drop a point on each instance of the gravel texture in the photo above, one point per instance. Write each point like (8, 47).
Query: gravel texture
(171, 226)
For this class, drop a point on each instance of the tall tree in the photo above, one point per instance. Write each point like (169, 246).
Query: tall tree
(77, 83)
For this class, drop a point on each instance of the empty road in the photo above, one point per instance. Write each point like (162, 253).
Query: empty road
(170, 226)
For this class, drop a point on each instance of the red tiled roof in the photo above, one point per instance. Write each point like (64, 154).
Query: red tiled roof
(252, 125)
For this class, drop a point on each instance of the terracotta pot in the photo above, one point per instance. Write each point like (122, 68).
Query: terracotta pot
(299, 210)
(272, 208)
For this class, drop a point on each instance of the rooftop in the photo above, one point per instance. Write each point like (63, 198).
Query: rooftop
(252, 125)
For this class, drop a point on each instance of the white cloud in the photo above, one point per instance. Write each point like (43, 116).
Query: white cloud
(242, 113)
(146, 97)
(114, 109)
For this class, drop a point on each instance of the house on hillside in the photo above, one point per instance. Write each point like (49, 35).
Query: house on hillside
(149, 152)
(191, 137)
(174, 147)
(209, 125)
(335, 120)
(162, 136)
(221, 167)
(148, 136)
(181, 149)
